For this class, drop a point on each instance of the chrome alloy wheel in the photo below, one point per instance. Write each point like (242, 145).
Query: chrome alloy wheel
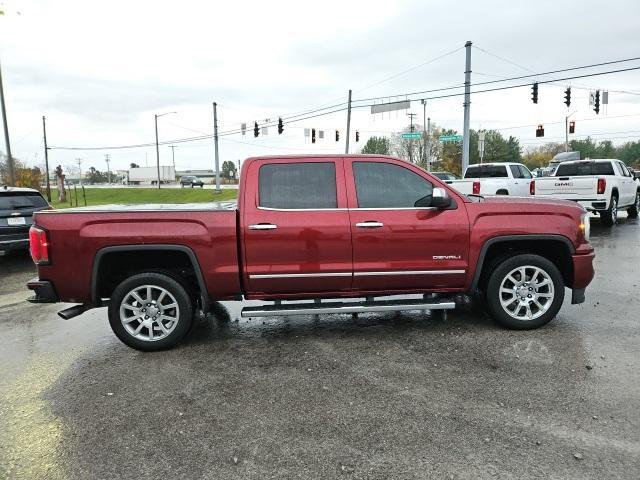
(526, 292)
(149, 313)
(614, 209)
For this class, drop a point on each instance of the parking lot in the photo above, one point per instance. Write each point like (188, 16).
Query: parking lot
(405, 395)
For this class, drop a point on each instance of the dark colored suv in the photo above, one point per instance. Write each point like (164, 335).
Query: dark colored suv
(191, 181)
(17, 206)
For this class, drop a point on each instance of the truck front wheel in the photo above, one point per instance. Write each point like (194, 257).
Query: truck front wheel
(150, 311)
(525, 292)
(632, 212)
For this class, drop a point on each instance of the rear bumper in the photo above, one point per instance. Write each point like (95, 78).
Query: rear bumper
(583, 273)
(14, 242)
(44, 291)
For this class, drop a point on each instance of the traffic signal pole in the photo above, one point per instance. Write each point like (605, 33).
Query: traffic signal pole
(346, 149)
(215, 141)
(467, 108)
(10, 165)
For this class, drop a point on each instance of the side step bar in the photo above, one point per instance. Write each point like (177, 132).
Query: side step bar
(344, 307)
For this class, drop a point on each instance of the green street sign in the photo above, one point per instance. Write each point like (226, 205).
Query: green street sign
(450, 138)
(412, 135)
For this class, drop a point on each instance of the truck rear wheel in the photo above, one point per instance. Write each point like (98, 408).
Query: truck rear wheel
(610, 215)
(525, 292)
(150, 311)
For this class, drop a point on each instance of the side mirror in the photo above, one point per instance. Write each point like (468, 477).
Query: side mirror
(636, 174)
(440, 198)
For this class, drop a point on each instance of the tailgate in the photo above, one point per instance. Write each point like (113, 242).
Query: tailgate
(463, 186)
(567, 187)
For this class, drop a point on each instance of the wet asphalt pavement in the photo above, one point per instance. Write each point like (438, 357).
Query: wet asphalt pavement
(404, 395)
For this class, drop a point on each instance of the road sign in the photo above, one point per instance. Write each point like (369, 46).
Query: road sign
(450, 138)
(412, 135)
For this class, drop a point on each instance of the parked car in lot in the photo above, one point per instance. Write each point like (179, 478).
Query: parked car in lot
(445, 176)
(17, 206)
(604, 186)
(191, 181)
(495, 179)
(328, 230)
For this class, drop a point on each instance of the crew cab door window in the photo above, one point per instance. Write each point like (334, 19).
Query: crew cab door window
(385, 185)
(298, 185)
(525, 171)
(515, 171)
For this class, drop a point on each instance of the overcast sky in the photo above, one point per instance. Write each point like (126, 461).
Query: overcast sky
(100, 70)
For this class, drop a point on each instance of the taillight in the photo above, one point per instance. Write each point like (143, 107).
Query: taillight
(602, 185)
(476, 187)
(532, 187)
(39, 246)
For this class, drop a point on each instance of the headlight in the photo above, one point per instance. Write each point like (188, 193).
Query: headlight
(585, 226)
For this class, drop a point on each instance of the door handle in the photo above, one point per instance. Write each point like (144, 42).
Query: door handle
(263, 226)
(370, 224)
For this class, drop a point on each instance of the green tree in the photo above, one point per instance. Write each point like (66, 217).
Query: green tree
(134, 165)
(228, 169)
(586, 147)
(377, 145)
(629, 153)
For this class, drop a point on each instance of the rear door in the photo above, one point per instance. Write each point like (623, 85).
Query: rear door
(627, 187)
(396, 245)
(295, 227)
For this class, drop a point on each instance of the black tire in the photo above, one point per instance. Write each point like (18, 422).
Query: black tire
(493, 294)
(632, 212)
(174, 288)
(609, 216)
(192, 185)
(502, 192)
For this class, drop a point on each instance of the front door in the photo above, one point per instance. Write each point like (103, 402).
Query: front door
(295, 228)
(396, 244)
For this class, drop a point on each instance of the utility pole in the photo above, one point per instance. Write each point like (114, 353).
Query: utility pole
(157, 147)
(346, 150)
(481, 135)
(215, 142)
(429, 144)
(411, 115)
(173, 157)
(46, 157)
(467, 108)
(79, 160)
(108, 159)
(10, 166)
(424, 131)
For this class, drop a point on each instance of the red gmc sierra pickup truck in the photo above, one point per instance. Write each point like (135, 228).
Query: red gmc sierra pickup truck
(337, 231)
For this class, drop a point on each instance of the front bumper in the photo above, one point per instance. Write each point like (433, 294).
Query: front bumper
(44, 291)
(583, 273)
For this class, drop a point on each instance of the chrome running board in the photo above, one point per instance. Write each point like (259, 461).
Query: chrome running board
(319, 308)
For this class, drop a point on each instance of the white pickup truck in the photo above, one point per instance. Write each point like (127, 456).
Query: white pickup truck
(603, 186)
(495, 179)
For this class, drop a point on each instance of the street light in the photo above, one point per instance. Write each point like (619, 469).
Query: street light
(157, 148)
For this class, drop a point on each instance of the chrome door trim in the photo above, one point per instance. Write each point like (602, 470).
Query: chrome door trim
(299, 275)
(370, 224)
(410, 272)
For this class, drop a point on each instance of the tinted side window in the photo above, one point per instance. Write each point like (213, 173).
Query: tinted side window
(385, 185)
(486, 171)
(298, 185)
(515, 171)
(525, 171)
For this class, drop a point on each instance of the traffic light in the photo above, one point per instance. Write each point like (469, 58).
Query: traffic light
(572, 126)
(337, 136)
(313, 135)
(534, 92)
(256, 130)
(540, 131)
(596, 105)
(567, 97)
(280, 126)
(357, 136)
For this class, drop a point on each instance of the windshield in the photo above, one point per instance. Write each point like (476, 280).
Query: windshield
(18, 200)
(486, 171)
(584, 168)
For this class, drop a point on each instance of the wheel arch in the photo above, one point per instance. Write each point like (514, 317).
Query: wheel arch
(188, 253)
(542, 245)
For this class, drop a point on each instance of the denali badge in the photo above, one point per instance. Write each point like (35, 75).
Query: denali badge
(447, 257)
(564, 184)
